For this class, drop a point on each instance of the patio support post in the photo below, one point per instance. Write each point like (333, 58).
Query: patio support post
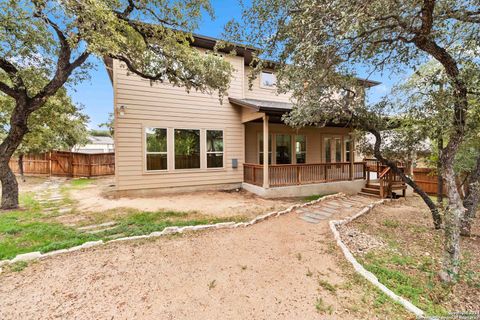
(352, 157)
(266, 183)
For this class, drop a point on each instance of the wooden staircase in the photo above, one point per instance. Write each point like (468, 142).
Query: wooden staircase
(388, 185)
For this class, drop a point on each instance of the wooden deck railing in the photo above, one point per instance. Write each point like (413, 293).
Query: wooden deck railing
(297, 174)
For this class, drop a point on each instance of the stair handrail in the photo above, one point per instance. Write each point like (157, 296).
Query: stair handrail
(384, 172)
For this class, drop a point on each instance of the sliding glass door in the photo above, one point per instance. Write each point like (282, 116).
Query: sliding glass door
(332, 149)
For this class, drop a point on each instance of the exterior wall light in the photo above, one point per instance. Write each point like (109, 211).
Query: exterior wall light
(121, 110)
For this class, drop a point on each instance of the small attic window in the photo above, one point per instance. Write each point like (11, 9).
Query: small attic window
(268, 79)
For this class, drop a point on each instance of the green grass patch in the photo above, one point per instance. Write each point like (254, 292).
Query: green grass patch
(139, 223)
(80, 182)
(29, 229)
(327, 286)
(315, 197)
(392, 270)
(322, 307)
(391, 223)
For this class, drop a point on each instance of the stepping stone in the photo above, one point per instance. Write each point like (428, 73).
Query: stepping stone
(350, 201)
(100, 230)
(310, 220)
(318, 215)
(343, 204)
(64, 210)
(101, 225)
(332, 206)
(326, 209)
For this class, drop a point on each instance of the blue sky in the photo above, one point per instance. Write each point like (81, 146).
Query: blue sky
(96, 94)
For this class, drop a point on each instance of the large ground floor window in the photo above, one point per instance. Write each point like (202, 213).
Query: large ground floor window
(214, 148)
(156, 149)
(187, 149)
(168, 149)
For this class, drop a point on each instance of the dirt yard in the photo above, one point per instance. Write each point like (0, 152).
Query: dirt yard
(212, 203)
(282, 268)
(398, 243)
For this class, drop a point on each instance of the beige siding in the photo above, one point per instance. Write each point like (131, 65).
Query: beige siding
(257, 92)
(162, 105)
(314, 137)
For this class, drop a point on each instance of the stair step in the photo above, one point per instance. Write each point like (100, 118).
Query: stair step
(373, 186)
(372, 191)
(369, 195)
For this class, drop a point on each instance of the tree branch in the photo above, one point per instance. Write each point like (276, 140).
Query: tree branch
(64, 70)
(8, 91)
(13, 74)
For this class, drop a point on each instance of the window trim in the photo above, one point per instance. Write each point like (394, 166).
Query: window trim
(262, 86)
(174, 154)
(214, 152)
(153, 152)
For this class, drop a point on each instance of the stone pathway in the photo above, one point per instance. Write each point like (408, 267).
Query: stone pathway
(325, 209)
(51, 198)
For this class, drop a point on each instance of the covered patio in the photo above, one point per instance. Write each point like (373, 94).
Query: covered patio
(295, 157)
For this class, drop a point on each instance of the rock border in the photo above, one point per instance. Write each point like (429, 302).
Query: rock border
(36, 255)
(360, 269)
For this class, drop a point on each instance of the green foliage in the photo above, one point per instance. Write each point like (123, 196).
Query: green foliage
(100, 133)
(59, 126)
(153, 37)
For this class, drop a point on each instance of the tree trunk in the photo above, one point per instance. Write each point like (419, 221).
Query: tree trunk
(18, 129)
(471, 201)
(20, 166)
(452, 217)
(9, 187)
(439, 174)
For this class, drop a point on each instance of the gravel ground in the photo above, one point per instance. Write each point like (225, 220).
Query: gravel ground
(271, 270)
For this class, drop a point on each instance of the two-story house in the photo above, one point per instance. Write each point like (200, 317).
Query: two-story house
(169, 140)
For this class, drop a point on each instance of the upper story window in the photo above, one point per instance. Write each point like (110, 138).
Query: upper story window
(268, 79)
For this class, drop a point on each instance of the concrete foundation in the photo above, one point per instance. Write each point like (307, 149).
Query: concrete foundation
(162, 191)
(347, 187)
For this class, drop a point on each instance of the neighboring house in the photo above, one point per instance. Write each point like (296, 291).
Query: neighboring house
(170, 140)
(96, 144)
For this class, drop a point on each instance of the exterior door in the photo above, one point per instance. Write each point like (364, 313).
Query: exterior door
(332, 149)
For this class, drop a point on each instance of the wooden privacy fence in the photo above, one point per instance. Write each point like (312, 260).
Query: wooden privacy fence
(427, 180)
(67, 164)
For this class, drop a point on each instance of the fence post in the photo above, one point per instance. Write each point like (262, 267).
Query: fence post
(89, 165)
(72, 169)
(50, 163)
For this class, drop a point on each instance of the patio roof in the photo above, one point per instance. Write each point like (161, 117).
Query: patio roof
(267, 106)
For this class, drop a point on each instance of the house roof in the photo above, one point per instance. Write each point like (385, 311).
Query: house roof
(209, 43)
(100, 140)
